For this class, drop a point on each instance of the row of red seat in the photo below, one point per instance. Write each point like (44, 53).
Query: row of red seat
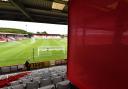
(5, 82)
(2, 39)
(6, 39)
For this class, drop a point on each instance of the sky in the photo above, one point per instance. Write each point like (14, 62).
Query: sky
(35, 27)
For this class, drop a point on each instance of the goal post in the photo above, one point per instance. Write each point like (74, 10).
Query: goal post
(51, 48)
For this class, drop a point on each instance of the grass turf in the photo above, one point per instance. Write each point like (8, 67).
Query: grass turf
(17, 52)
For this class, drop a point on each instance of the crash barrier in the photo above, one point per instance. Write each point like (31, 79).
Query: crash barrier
(37, 65)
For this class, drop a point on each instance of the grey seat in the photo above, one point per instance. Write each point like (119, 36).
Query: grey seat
(45, 82)
(32, 85)
(14, 83)
(57, 79)
(54, 75)
(6, 88)
(48, 87)
(21, 86)
(35, 75)
(24, 81)
(46, 75)
(63, 85)
(36, 79)
(63, 74)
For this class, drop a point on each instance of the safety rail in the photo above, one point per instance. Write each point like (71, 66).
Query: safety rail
(37, 65)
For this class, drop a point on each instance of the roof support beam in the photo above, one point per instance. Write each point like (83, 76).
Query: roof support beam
(19, 6)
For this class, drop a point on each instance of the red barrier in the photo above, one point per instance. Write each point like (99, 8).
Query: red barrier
(5, 82)
(98, 44)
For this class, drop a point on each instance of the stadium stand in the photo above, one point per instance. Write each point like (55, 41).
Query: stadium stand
(2, 39)
(54, 12)
(7, 37)
(48, 87)
(47, 78)
(6, 79)
(63, 85)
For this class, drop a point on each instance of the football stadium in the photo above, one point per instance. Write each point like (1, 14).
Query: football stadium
(35, 48)
(63, 44)
(33, 44)
(26, 54)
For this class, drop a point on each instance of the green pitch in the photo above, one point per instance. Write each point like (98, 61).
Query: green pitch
(17, 52)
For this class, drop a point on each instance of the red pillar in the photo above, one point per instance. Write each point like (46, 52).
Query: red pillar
(98, 44)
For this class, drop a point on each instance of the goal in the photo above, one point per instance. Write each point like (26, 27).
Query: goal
(49, 50)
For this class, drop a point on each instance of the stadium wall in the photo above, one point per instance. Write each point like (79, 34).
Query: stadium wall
(38, 65)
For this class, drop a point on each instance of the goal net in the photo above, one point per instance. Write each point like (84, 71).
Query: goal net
(50, 50)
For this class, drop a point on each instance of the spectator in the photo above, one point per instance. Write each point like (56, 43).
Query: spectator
(27, 65)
